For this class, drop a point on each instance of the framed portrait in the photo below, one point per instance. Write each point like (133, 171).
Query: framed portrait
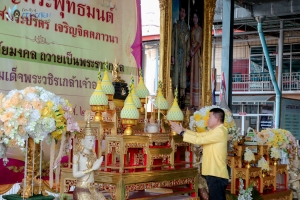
(186, 50)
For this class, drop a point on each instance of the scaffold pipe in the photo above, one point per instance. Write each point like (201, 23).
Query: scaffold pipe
(271, 71)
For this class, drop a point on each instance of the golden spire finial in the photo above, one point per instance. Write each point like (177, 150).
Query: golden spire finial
(88, 131)
(115, 73)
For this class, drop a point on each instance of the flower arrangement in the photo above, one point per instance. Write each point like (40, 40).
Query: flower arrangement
(275, 153)
(263, 164)
(248, 155)
(234, 135)
(200, 119)
(36, 112)
(244, 194)
(278, 138)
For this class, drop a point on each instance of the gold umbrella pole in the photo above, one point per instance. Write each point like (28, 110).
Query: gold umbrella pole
(32, 178)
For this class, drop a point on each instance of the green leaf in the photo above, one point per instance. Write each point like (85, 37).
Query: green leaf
(230, 196)
(256, 195)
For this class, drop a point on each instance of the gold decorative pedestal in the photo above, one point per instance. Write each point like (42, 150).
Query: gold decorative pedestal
(98, 109)
(33, 184)
(110, 97)
(119, 185)
(129, 123)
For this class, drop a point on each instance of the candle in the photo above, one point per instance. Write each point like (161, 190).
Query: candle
(146, 109)
(158, 113)
(99, 74)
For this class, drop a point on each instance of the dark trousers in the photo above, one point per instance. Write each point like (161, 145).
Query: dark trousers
(217, 187)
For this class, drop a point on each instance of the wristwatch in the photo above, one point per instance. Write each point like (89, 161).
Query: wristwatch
(181, 133)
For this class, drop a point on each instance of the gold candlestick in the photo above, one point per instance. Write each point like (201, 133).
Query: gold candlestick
(129, 123)
(143, 102)
(98, 109)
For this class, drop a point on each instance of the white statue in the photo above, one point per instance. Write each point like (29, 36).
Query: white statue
(294, 173)
(85, 162)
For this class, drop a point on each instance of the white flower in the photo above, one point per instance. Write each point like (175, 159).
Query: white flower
(263, 164)
(244, 194)
(248, 155)
(35, 115)
(31, 96)
(275, 153)
(48, 124)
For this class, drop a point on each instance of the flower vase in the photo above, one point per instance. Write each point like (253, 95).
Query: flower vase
(32, 184)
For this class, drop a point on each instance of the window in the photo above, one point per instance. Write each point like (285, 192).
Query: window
(287, 48)
(256, 65)
(273, 64)
(295, 47)
(256, 50)
(296, 63)
(251, 109)
(236, 108)
(266, 109)
(257, 116)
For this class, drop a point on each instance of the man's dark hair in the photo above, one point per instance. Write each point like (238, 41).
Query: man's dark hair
(218, 113)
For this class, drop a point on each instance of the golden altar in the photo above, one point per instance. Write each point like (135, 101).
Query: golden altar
(255, 176)
(137, 162)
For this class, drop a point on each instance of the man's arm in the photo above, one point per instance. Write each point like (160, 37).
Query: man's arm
(193, 133)
(214, 136)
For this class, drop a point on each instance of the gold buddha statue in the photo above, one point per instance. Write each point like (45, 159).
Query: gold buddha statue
(85, 162)
(115, 73)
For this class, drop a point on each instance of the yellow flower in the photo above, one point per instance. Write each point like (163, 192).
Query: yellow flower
(61, 111)
(56, 134)
(60, 124)
(68, 104)
(197, 117)
(226, 124)
(46, 112)
(206, 118)
(50, 104)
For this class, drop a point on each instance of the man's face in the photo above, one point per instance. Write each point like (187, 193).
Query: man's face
(213, 121)
(182, 13)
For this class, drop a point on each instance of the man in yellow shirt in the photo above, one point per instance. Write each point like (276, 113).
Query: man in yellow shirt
(214, 142)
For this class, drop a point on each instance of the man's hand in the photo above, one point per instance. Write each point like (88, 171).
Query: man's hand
(172, 60)
(187, 63)
(177, 127)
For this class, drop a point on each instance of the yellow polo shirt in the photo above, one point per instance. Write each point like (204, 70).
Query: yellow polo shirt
(214, 143)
